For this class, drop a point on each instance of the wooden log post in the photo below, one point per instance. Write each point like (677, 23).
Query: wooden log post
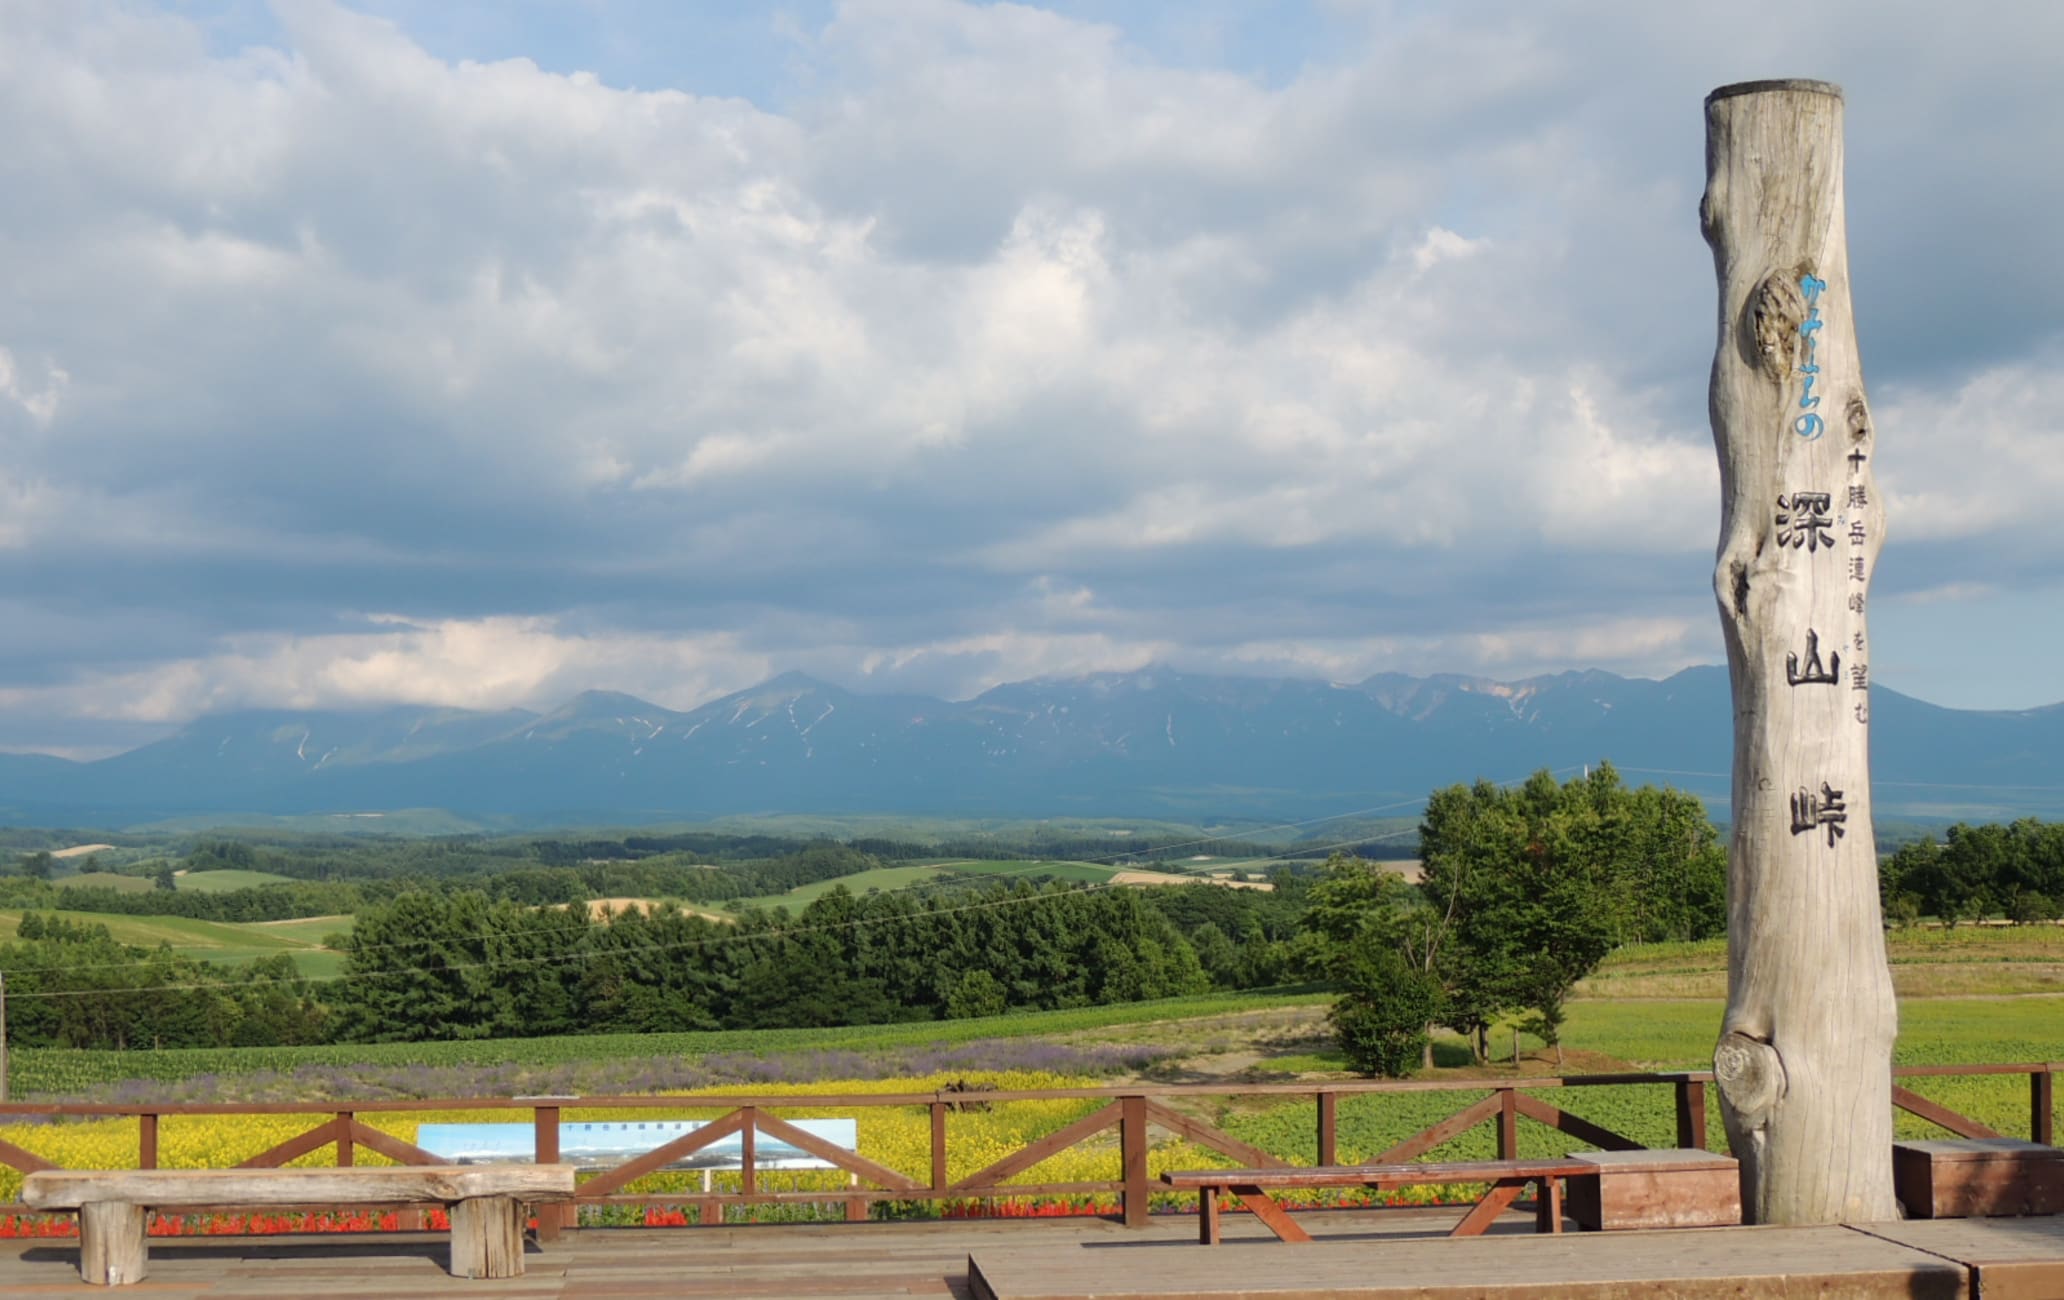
(112, 1250)
(487, 1237)
(1804, 1060)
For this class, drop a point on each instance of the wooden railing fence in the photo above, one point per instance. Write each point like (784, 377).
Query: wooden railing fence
(1129, 1111)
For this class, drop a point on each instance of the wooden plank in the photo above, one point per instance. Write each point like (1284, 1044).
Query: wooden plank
(66, 1189)
(2042, 1107)
(407, 1153)
(1266, 1208)
(1385, 1175)
(1583, 1130)
(294, 1148)
(1494, 1203)
(1018, 1161)
(1935, 1113)
(2009, 1259)
(1132, 1155)
(1329, 1128)
(1428, 1138)
(1204, 1135)
(1691, 1264)
(1691, 1114)
(26, 1161)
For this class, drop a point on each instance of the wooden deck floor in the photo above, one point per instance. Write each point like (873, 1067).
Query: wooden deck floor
(1358, 1255)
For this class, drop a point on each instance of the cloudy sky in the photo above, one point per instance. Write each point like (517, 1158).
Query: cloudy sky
(479, 352)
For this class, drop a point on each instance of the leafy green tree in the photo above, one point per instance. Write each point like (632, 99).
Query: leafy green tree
(1371, 936)
(1535, 885)
(1384, 1009)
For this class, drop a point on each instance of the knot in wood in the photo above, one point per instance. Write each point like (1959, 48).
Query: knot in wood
(1775, 311)
(1751, 1076)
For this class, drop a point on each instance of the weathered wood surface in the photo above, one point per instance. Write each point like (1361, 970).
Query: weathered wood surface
(68, 1189)
(487, 1237)
(1804, 1059)
(774, 1262)
(1382, 1253)
(1830, 1261)
(2009, 1259)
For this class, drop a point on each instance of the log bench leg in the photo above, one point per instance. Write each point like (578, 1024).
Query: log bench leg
(111, 1244)
(1207, 1215)
(487, 1237)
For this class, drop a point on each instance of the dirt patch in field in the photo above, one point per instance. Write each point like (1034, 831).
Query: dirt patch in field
(598, 908)
(80, 850)
(1163, 878)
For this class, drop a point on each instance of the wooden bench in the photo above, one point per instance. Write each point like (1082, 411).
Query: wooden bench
(1508, 1178)
(486, 1204)
(1957, 1178)
(1664, 1188)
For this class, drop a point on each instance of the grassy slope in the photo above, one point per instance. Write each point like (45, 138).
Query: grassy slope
(105, 880)
(912, 874)
(218, 941)
(216, 882)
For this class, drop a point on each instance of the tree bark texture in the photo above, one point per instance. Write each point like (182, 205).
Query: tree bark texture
(1805, 1054)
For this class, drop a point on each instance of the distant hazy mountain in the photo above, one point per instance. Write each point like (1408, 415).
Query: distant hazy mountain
(1150, 743)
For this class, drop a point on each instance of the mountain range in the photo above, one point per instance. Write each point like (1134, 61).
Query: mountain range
(1149, 743)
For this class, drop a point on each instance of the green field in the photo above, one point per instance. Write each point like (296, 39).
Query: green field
(215, 941)
(107, 880)
(1085, 872)
(215, 882)
(1930, 962)
(911, 875)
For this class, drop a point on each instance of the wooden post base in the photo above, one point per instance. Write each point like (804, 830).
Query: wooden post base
(487, 1237)
(111, 1243)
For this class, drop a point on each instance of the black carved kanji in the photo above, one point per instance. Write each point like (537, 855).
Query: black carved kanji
(1812, 811)
(1803, 520)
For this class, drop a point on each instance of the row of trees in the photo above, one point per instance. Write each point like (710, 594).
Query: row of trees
(458, 965)
(449, 964)
(2015, 872)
